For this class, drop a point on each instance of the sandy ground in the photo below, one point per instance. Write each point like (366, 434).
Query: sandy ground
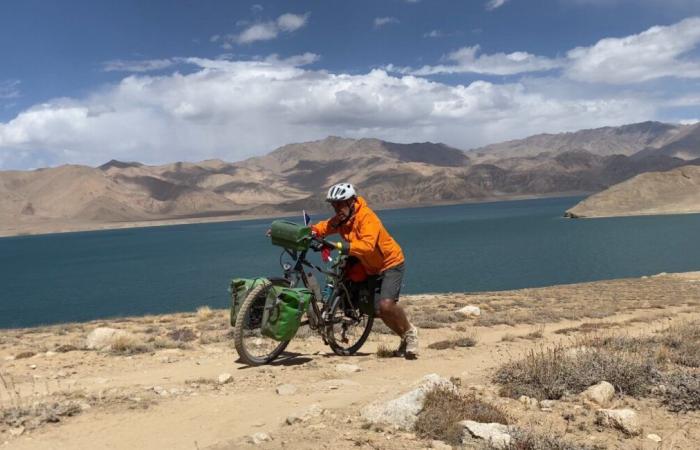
(171, 397)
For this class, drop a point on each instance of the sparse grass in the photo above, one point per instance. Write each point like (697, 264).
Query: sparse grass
(202, 381)
(536, 334)
(24, 355)
(385, 351)
(65, 348)
(182, 335)
(34, 415)
(587, 327)
(432, 318)
(204, 313)
(508, 337)
(162, 342)
(443, 409)
(129, 344)
(532, 440)
(211, 337)
(465, 341)
(682, 391)
(554, 372)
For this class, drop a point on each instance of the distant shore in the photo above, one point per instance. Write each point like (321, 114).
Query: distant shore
(57, 227)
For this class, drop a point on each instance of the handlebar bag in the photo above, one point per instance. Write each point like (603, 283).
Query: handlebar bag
(284, 308)
(239, 289)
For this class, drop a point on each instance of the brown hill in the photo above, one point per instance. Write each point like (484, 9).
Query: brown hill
(673, 192)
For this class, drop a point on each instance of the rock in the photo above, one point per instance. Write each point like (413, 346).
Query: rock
(549, 404)
(102, 338)
(601, 393)
(32, 366)
(259, 438)
(469, 311)
(440, 445)
(49, 354)
(530, 403)
(18, 431)
(312, 411)
(225, 378)
(286, 389)
(622, 419)
(347, 368)
(402, 412)
(654, 437)
(9, 358)
(497, 434)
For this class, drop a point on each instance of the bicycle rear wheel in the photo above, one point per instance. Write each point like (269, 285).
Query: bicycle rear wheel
(252, 346)
(347, 328)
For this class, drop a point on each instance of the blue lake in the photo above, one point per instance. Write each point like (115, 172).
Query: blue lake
(490, 246)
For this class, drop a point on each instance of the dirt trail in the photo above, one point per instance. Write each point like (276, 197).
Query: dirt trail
(197, 412)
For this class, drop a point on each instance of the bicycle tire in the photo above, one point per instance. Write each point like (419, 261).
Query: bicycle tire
(337, 348)
(255, 295)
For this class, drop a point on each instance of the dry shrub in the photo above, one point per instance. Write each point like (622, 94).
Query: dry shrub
(443, 409)
(204, 313)
(23, 355)
(430, 324)
(37, 414)
(682, 391)
(466, 341)
(162, 342)
(536, 334)
(65, 348)
(532, 440)
(384, 351)
(212, 337)
(554, 372)
(508, 337)
(683, 343)
(128, 344)
(182, 335)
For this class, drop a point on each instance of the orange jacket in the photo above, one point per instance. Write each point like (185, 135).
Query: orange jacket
(369, 240)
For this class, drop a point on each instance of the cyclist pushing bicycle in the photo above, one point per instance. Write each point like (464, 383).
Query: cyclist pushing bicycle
(365, 238)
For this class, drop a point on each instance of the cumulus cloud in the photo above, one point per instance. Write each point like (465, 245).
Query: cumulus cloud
(467, 60)
(495, 4)
(264, 31)
(382, 21)
(660, 51)
(149, 65)
(233, 109)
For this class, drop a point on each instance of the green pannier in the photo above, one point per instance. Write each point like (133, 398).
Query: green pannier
(239, 289)
(290, 235)
(284, 308)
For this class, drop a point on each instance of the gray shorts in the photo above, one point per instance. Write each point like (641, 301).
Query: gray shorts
(391, 280)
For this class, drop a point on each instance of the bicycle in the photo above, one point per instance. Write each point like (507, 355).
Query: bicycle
(337, 316)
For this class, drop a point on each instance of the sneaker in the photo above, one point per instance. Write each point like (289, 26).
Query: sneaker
(411, 340)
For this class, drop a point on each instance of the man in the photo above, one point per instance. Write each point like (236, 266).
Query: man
(366, 238)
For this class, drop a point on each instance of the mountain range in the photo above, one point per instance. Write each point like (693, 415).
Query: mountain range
(296, 176)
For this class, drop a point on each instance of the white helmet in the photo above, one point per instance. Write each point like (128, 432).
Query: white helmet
(341, 191)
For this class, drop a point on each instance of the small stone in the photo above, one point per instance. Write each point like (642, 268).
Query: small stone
(18, 431)
(601, 393)
(654, 437)
(347, 368)
(622, 419)
(50, 353)
(286, 389)
(259, 438)
(225, 378)
(439, 445)
(291, 420)
(469, 311)
(32, 366)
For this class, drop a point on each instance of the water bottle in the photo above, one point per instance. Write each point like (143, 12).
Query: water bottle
(327, 291)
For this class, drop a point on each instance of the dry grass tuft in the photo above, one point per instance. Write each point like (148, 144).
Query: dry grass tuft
(466, 341)
(129, 344)
(508, 337)
(443, 409)
(182, 335)
(532, 440)
(204, 313)
(24, 355)
(384, 351)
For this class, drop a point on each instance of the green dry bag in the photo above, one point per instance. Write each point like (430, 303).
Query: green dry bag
(239, 289)
(290, 235)
(284, 308)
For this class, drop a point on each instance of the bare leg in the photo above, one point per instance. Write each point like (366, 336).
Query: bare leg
(393, 316)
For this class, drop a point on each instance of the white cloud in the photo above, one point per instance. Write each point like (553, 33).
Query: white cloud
(265, 31)
(655, 53)
(235, 109)
(9, 89)
(256, 8)
(149, 65)
(465, 60)
(381, 21)
(689, 121)
(494, 4)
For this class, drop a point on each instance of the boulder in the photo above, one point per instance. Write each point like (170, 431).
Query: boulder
(469, 311)
(402, 412)
(496, 434)
(622, 419)
(601, 393)
(102, 338)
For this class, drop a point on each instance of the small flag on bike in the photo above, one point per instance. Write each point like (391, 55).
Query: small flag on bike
(307, 218)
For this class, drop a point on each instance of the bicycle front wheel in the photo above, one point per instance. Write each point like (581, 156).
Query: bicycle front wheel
(347, 328)
(252, 346)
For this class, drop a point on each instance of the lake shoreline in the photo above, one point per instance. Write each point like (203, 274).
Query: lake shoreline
(58, 227)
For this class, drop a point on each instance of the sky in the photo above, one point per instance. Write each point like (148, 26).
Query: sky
(87, 81)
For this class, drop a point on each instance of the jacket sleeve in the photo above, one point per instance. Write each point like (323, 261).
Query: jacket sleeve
(368, 234)
(324, 228)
